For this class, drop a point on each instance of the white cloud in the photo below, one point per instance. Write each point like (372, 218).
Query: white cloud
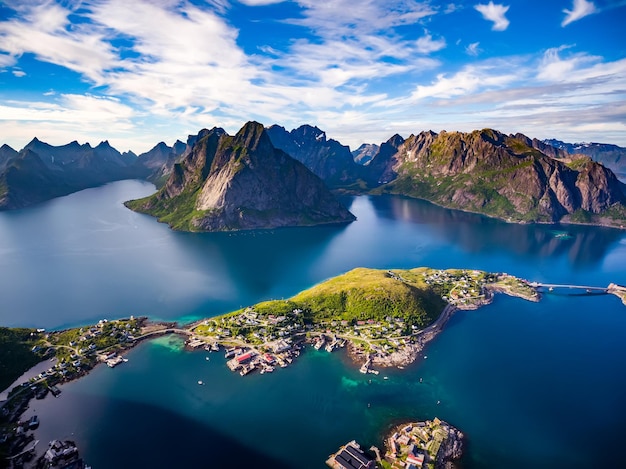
(495, 13)
(19, 73)
(467, 81)
(426, 44)
(473, 49)
(580, 9)
(44, 31)
(257, 3)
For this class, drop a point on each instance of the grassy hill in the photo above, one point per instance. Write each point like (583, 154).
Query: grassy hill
(363, 294)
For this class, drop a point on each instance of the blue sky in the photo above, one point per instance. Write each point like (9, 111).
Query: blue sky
(143, 71)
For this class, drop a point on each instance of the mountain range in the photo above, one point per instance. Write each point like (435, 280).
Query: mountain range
(41, 171)
(270, 177)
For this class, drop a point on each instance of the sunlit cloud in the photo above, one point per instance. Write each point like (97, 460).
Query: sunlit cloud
(494, 13)
(154, 70)
(580, 9)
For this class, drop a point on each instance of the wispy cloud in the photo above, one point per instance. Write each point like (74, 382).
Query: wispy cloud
(494, 13)
(580, 9)
(426, 44)
(473, 49)
(256, 3)
(360, 70)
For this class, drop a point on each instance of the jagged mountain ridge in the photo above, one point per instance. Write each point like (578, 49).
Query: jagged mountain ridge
(41, 171)
(327, 158)
(499, 175)
(241, 182)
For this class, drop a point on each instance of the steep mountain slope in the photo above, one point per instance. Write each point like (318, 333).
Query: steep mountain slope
(328, 159)
(499, 175)
(6, 155)
(243, 182)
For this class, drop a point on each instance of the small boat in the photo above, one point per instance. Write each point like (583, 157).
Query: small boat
(385, 377)
(438, 402)
(200, 383)
(207, 358)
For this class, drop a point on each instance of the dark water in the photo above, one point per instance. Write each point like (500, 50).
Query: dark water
(538, 385)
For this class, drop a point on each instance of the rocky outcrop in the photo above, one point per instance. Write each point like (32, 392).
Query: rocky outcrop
(504, 176)
(328, 159)
(241, 182)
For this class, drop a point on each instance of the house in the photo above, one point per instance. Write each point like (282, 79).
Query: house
(417, 460)
(243, 358)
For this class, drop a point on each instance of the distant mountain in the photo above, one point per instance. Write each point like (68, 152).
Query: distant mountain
(26, 180)
(495, 174)
(365, 153)
(227, 183)
(328, 159)
(41, 171)
(611, 156)
(160, 154)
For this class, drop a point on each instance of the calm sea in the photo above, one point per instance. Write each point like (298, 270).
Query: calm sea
(539, 385)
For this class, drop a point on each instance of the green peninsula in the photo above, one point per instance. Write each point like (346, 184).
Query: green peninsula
(385, 316)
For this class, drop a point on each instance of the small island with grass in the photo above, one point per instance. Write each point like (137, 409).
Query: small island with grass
(384, 317)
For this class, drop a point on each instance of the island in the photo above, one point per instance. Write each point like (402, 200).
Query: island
(384, 318)
(430, 444)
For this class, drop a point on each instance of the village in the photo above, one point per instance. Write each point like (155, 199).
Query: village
(261, 341)
(76, 352)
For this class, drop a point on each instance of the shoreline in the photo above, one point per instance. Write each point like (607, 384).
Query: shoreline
(562, 221)
(410, 351)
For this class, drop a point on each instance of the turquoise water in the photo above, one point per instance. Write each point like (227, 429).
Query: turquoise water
(538, 385)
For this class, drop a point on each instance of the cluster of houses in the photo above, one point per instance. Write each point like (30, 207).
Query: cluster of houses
(461, 286)
(421, 444)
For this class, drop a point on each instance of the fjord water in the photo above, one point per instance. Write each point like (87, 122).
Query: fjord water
(530, 384)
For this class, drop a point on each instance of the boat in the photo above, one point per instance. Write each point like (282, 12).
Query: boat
(246, 369)
(200, 382)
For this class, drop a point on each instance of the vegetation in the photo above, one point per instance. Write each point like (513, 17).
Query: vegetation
(16, 353)
(363, 294)
(179, 212)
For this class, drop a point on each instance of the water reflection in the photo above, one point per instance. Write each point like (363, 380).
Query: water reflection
(583, 245)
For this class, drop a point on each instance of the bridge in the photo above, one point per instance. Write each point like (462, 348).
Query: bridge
(587, 288)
